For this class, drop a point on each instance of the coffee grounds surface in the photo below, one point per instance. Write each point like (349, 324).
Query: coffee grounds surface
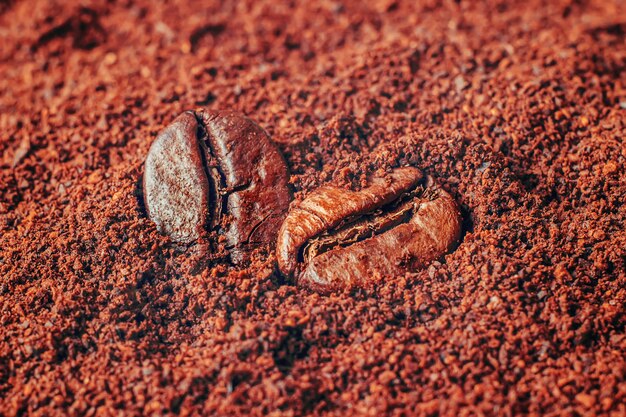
(518, 109)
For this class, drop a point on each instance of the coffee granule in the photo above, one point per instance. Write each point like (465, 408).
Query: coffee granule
(517, 109)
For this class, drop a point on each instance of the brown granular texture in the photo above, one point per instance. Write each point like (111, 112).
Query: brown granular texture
(517, 108)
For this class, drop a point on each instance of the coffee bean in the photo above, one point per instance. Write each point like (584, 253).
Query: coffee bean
(338, 238)
(207, 165)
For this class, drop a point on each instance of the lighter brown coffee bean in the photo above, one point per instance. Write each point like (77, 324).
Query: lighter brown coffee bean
(338, 238)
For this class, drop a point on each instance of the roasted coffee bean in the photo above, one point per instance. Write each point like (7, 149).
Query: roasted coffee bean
(207, 165)
(338, 238)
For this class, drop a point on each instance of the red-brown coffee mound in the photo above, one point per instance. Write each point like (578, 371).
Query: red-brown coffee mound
(517, 109)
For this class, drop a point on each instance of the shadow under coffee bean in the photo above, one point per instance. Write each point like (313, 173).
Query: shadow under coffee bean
(209, 164)
(338, 238)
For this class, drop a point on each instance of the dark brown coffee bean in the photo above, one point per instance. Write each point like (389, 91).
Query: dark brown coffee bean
(339, 238)
(206, 165)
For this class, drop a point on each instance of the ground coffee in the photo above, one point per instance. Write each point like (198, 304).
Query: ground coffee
(516, 109)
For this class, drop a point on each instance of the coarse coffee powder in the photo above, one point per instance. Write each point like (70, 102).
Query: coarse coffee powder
(516, 109)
